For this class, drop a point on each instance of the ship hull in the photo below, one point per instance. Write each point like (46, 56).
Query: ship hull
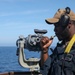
(21, 73)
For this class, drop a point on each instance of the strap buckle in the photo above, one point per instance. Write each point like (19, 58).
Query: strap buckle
(68, 57)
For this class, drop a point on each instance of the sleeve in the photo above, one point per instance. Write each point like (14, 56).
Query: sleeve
(45, 68)
(47, 64)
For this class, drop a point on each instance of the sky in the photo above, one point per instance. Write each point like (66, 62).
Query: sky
(21, 17)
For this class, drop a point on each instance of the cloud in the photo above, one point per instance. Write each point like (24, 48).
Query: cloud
(22, 13)
(34, 11)
(15, 0)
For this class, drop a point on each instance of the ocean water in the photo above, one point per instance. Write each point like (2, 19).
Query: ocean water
(9, 60)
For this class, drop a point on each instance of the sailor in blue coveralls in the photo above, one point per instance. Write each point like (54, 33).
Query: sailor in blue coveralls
(62, 60)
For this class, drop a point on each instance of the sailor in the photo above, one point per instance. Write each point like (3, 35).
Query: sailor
(62, 60)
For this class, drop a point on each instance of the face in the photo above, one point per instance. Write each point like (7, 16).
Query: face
(61, 32)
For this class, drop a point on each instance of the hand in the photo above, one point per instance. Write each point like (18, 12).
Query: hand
(45, 43)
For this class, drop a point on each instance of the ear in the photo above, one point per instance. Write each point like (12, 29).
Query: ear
(69, 26)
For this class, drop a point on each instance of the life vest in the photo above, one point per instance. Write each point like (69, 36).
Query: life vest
(72, 41)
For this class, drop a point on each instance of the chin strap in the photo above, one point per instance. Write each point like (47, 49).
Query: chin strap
(69, 46)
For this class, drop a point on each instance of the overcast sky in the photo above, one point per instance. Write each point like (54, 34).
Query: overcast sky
(21, 17)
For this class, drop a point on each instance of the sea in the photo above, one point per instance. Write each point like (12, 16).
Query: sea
(9, 59)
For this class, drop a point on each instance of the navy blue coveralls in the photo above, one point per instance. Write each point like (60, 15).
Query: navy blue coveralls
(59, 63)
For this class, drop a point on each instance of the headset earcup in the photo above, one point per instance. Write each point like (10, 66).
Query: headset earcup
(64, 20)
